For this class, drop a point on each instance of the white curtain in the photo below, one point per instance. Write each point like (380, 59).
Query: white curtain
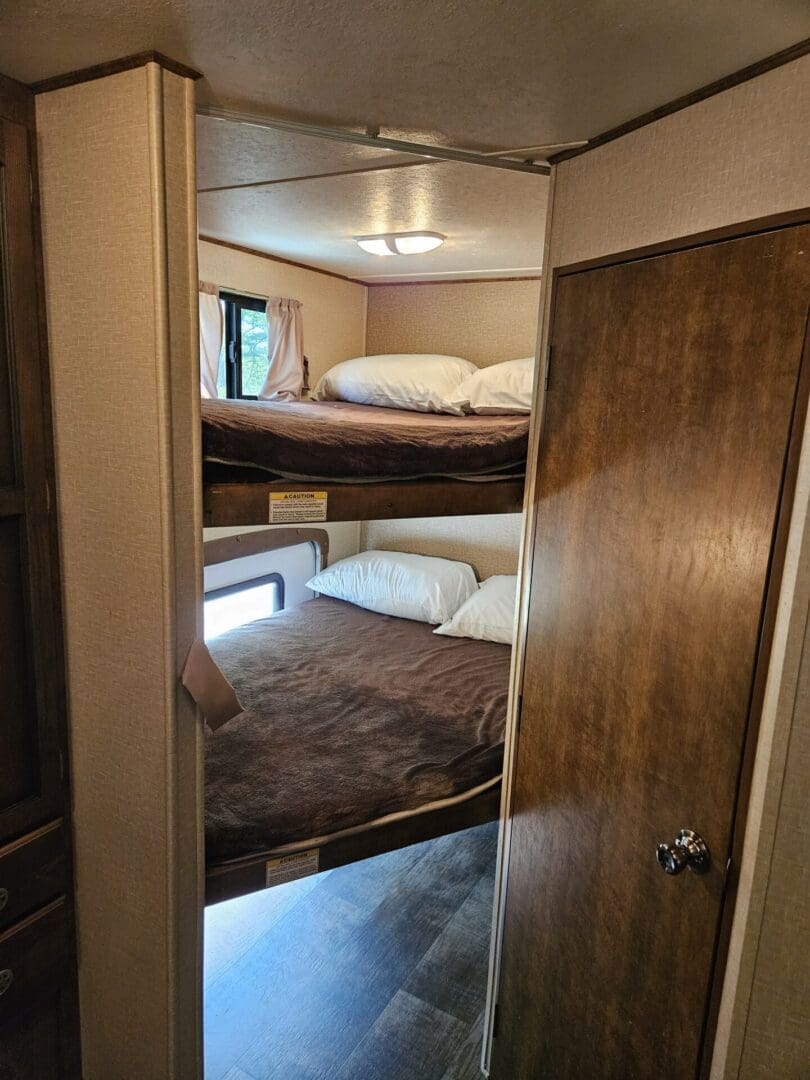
(211, 330)
(285, 334)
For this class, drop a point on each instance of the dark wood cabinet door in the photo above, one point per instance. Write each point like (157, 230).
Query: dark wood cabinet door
(39, 1032)
(30, 655)
(673, 385)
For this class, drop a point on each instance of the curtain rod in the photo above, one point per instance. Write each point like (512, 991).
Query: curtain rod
(492, 159)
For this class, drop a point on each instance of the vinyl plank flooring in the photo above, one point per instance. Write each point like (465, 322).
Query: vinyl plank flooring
(452, 974)
(233, 928)
(411, 1040)
(310, 988)
(467, 1063)
(236, 1074)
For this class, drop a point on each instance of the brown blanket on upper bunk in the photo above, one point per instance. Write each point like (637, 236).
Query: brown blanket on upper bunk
(335, 440)
(349, 715)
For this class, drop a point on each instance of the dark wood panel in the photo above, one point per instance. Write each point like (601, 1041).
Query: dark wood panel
(33, 730)
(38, 1011)
(248, 504)
(19, 775)
(113, 67)
(16, 102)
(672, 391)
(39, 1036)
(227, 548)
(227, 880)
(33, 871)
(33, 954)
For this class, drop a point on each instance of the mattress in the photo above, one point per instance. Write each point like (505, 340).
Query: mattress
(349, 716)
(337, 441)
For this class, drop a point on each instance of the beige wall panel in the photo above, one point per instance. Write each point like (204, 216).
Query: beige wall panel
(739, 155)
(742, 154)
(490, 541)
(114, 168)
(777, 1033)
(485, 322)
(334, 310)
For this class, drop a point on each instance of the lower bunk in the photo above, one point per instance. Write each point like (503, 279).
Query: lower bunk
(361, 733)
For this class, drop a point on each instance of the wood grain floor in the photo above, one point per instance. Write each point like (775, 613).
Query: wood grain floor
(374, 971)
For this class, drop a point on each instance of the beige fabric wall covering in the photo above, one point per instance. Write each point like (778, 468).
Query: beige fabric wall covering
(117, 185)
(769, 1027)
(334, 311)
(489, 542)
(485, 322)
(739, 155)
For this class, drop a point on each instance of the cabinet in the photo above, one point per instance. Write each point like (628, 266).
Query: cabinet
(39, 1034)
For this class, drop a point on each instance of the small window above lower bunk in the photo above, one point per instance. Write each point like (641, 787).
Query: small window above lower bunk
(234, 605)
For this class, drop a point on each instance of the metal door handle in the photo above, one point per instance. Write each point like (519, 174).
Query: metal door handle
(688, 850)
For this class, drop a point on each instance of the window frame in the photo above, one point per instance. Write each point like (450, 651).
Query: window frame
(235, 304)
(251, 583)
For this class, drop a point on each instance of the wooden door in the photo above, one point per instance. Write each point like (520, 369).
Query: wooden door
(673, 384)
(38, 1022)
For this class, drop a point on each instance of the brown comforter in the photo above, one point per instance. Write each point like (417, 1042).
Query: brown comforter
(335, 440)
(349, 715)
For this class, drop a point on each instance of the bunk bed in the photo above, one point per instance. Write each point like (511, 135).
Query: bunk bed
(360, 733)
(296, 462)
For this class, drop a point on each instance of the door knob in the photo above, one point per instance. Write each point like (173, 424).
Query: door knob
(688, 850)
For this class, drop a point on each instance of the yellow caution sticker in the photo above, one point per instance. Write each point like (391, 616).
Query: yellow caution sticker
(291, 867)
(295, 507)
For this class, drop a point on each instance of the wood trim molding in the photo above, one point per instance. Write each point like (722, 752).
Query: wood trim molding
(227, 548)
(16, 102)
(278, 259)
(114, 67)
(768, 63)
(452, 281)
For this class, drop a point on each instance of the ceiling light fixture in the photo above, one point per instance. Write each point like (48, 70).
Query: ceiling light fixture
(410, 243)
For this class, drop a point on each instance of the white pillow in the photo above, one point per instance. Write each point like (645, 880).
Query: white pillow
(419, 382)
(499, 388)
(489, 614)
(415, 587)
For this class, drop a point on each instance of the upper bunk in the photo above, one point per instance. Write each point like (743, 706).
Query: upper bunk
(298, 462)
(291, 226)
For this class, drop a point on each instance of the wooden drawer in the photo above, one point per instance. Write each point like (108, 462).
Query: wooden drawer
(33, 871)
(34, 959)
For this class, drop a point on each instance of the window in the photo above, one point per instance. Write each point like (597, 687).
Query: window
(244, 358)
(235, 605)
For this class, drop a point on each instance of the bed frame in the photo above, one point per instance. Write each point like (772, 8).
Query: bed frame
(247, 502)
(236, 877)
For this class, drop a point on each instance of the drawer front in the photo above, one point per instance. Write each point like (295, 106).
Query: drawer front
(35, 957)
(33, 872)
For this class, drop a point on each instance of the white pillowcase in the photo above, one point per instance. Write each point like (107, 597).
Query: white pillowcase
(499, 388)
(419, 382)
(489, 614)
(417, 587)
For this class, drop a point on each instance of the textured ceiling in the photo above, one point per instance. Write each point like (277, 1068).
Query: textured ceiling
(494, 220)
(233, 153)
(484, 74)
